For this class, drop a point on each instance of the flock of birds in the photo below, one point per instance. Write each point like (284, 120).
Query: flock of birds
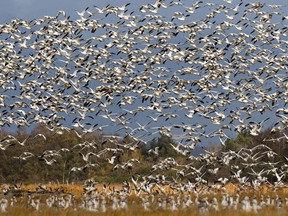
(192, 72)
(151, 197)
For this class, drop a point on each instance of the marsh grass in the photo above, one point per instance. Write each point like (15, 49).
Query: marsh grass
(135, 208)
(136, 211)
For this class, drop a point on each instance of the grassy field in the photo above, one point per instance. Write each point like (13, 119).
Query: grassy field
(135, 210)
(77, 189)
(135, 207)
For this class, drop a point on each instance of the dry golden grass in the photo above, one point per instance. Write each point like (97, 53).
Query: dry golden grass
(137, 209)
(77, 190)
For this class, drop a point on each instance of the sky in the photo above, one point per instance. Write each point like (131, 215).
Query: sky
(34, 9)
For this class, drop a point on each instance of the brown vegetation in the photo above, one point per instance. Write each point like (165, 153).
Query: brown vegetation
(36, 170)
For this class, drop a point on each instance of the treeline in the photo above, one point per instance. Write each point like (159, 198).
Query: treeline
(63, 156)
(65, 150)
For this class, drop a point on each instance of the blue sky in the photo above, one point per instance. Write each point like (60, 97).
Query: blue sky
(33, 9)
